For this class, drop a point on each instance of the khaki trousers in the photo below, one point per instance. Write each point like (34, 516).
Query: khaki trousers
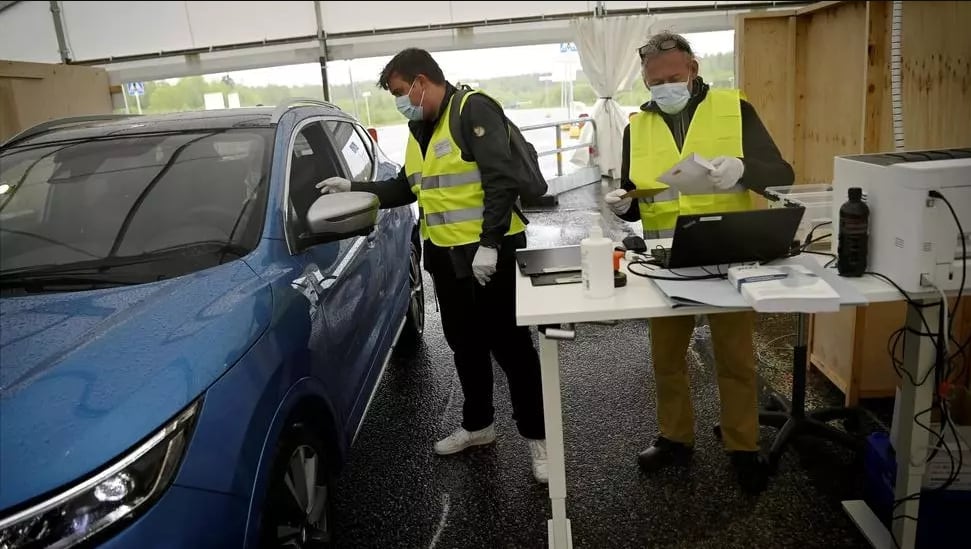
(731, 335)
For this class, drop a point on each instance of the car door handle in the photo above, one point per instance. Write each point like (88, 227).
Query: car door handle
(329, 281)
(372, 237)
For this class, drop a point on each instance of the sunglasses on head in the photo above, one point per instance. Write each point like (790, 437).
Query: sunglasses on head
(663, 46)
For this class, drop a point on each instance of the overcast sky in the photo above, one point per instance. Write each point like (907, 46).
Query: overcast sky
(458, 65)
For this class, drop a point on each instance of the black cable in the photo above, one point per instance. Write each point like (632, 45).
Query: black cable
(809, 236)
(676, 277)
(941, 367)
(964, 255)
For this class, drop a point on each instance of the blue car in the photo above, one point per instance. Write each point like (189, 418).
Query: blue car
(190, 333)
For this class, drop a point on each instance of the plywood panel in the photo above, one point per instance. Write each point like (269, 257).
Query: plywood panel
(830, 91)
(877, 374)
(878, 123)
(936, 50)
(832, 349)
(31, 93)
(768, 46)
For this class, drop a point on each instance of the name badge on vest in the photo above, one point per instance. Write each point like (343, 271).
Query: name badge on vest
(442, 148)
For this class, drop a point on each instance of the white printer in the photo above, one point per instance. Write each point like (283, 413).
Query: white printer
(914, 239)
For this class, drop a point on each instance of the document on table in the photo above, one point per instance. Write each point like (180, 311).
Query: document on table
(690, 176)
(698, 293)
(721, 292)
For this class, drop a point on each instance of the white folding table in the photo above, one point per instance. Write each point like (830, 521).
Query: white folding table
(554, 309)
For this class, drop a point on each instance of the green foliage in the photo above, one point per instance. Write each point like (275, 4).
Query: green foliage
(522, 91)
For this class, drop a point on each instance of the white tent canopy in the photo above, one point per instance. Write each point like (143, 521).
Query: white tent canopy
(184, 37)
(152, 40)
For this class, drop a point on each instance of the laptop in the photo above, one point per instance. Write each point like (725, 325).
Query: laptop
(541, 261)
(730, 237)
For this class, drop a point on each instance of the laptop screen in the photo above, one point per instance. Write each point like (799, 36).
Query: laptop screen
(734, 237)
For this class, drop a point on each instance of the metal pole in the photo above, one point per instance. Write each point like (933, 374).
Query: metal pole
(322, 41)
(59, 31)
(367, 107)
(139, 103)
(357, 111)
(559, 145)
(124, 95)
(799, 367)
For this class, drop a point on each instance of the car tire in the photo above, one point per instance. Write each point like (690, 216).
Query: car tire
(290, 519)
(411, 335)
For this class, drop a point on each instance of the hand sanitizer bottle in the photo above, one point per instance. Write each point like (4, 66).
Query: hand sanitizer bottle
(596, 257)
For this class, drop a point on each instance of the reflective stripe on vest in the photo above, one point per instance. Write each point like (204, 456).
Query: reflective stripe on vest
(715, 130)
(449, 189)
(413, 161)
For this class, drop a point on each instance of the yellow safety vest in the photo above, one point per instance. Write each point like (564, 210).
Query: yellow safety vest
(715, 130)
(449, 189)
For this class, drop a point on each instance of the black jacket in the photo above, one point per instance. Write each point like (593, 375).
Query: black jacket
(764, 166)
(489, 145)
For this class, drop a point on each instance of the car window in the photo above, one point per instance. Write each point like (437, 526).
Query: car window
(131, 195)
(312, 160)
(356, 154)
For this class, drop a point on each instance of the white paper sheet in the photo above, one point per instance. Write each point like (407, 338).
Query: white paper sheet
(690, 176)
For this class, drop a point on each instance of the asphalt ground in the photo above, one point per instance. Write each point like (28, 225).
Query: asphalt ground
(395, 492)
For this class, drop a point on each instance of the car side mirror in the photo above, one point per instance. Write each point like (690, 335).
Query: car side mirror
(338, 216)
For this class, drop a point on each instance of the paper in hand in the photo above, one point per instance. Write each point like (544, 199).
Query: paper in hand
(643, 193)
(690, 176)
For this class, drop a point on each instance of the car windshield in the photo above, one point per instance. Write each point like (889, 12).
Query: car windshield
(169, 203)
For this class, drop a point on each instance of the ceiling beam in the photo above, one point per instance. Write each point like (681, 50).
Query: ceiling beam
(8, 4)
(339, 47)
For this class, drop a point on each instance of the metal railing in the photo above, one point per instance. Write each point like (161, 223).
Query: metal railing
(560, 149)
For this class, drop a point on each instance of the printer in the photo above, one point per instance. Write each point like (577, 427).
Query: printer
(913, 238)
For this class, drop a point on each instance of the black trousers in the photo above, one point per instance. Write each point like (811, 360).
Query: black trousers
(480, 321)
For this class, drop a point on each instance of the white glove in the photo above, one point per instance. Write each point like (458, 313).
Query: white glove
(616, 201)
(728, 170)
(334, 185)
(484, 264)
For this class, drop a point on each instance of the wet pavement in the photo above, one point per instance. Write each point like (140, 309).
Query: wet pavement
(395, 492)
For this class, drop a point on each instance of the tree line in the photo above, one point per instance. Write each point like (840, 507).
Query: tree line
(523, 91)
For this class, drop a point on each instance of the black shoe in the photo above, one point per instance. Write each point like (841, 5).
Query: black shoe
(751, 470)
(664, 452)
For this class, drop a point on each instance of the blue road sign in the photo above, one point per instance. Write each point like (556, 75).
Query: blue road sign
(136, 88)
(567, 46)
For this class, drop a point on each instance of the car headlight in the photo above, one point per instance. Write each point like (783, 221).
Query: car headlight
(76, 514)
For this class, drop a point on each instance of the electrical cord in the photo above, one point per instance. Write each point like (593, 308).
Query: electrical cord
(652, 266)
(964, 253)
(942, 371)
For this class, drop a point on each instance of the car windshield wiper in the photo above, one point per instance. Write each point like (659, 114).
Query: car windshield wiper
(95, 267)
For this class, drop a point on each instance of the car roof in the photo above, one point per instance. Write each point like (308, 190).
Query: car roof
(92, 127)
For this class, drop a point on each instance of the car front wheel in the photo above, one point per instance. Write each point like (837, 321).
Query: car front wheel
(298, 510)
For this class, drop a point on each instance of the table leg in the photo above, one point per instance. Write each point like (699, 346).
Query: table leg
(559, 526)
(912, 440)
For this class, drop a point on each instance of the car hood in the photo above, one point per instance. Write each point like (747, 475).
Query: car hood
(84, 376)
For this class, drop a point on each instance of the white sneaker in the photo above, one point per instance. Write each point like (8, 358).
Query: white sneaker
(537, 449)
(462, 439)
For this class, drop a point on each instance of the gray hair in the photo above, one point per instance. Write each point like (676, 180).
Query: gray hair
(664, 42)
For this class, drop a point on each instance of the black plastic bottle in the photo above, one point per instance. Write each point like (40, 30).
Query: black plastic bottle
(854, 227)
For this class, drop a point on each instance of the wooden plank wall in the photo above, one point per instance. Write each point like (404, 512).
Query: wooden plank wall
(829, 79)
(820, 78)
(31, 93)
(936, 49)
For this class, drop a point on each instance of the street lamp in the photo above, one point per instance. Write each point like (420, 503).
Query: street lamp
(367, 105)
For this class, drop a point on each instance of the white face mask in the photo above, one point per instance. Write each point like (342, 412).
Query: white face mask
(403, 102)
(671, 98)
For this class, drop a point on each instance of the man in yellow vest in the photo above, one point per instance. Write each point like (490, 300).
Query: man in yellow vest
(686, 116)
(471, 229)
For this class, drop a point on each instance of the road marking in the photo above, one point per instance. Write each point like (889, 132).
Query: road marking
(442, 522)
